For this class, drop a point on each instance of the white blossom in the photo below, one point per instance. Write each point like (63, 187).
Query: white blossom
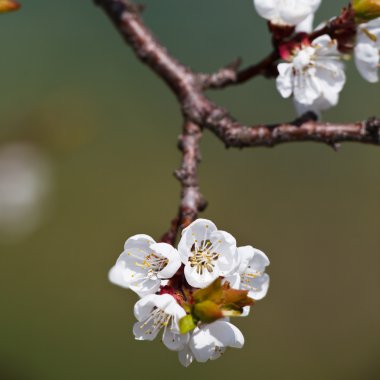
(207, 253)
(210, 341)
(314, 74)
(143, 264)
(251, 274)
(306, 26)
(367, 50)
(155, 312)
(176, 307)
(287, 12)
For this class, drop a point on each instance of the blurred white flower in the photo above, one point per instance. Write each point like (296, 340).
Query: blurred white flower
(210, 341)
(287, 12)
(143, 264)
(206, 253)
(314, 74)
(155, 312)
(306, 26)
(25, 183)
(367, 50)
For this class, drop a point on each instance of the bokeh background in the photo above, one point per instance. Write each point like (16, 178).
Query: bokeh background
(87, 150)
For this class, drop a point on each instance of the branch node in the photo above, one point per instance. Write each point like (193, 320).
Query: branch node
(372, 127)
(221, 78)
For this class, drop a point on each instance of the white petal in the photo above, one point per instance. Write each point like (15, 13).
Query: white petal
(295, 12)
(246, 254)
(145, 331)
(290, 12)
(144, 307)
(306, 26)
(174, 341)
(324, 45)
(174, 309)
(208, 340)
(170, 253)
(267, 8)
(185, 356)
(144, 286)
(225, 244)
(226, 334)
(233, 280)
(246, 311)
(259, 261)
(284, 80)
(116, 276)
(258, 287)
(306, 87)
(367, 59)
(332, 76)
(198, 280)
(140, 241)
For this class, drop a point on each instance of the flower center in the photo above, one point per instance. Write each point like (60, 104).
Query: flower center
(155, 321)
(246, 279)
(203, 256)
(303, 59)
(153, 263)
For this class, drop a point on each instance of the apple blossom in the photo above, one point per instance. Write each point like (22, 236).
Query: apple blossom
(155, 312)
(367, 50)
(210, 341)
(251, 274)
(313, 73)
(207, 253)
(143, 264)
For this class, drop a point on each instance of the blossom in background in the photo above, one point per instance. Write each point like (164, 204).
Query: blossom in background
(143, 264)
(25, 189)
(287, 12)
(189, 293)
(207, 253)
(209, 342)
(313, 74)
(367, 50)
(8, 6)
(156, 312)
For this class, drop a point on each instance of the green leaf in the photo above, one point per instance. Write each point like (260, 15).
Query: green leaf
(219, 300)
(186, 324)
(212, 292)
(366, 10)
(207, 311)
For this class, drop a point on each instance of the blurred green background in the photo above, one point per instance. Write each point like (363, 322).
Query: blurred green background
(107, 129)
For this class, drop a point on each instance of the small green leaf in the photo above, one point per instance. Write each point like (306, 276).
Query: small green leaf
(211, 292)
(207, 311)
(366, 10)
(186, 324)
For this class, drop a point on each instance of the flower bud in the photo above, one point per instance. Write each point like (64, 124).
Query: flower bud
(8, 6)
(366, 10)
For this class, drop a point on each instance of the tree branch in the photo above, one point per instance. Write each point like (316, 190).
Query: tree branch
(192, 201)
(200, 112)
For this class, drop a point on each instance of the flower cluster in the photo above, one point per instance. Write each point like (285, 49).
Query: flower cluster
(313, 71)
(191, 292)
